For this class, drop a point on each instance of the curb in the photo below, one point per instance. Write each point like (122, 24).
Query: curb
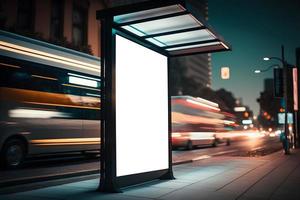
(7, 184)
(23, 181)
(46, 178)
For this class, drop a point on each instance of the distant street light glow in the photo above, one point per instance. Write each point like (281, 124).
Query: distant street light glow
(239, 109)
(257, 71)
(225, 73)
(247, 121)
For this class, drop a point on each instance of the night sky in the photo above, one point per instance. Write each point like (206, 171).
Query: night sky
(254, 29)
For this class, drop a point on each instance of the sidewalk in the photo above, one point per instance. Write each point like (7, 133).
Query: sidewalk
(275, 176)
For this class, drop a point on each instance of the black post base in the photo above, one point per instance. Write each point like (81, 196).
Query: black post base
(109, 188)
(168, 176)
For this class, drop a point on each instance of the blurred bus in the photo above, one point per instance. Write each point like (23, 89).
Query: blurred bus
(49, 99)
(198, 122)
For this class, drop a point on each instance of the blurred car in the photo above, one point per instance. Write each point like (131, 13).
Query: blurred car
(198, 122)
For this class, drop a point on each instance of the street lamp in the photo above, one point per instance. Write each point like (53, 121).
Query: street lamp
(285, 74)
(257, 71)
(273, 58)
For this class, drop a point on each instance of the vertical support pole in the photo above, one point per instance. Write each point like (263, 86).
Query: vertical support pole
(285, 81)
(295, 129)
(169, 175)
(108, 121)
(298, 84)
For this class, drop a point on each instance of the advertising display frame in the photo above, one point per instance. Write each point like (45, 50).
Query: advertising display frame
(142, 131)
(109, 181)
(122, 21)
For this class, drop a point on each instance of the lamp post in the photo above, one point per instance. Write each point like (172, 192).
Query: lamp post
(276, 92)
(285, 74)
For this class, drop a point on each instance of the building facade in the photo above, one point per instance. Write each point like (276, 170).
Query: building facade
(189, 73)
(73, 24)
(68, 23)
(270, 106)
(198, 67)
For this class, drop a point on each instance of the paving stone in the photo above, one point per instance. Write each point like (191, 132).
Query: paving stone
(274, 177)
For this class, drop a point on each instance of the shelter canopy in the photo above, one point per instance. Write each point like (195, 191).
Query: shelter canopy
(171, 26)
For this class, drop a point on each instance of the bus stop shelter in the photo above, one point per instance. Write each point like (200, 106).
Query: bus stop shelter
(137, 41)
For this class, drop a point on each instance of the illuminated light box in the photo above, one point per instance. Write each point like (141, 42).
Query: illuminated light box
(142, 109)
(281, 118)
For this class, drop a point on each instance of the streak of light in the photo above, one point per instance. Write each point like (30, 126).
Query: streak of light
(44, 77)
(47, 56)
(201, 157)
(202, 104)
(32, 113)
(9, 65)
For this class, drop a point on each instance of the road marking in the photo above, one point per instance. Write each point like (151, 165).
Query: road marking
(209, 156)
(201, 158)
(204, 157)
(257, 148)
(223, 152)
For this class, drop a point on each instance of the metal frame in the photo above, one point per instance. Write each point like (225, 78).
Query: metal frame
(153, 18)
(173, 32)
(109, 181)
(189, 10)
(138, 40)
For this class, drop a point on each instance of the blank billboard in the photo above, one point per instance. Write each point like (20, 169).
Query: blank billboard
(141, 109)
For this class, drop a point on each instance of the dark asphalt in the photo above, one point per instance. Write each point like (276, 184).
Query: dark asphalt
(49, 168)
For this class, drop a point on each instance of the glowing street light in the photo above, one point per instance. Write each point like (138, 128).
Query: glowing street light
(257, 71)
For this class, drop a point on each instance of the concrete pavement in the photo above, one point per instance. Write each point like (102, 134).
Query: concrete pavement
(275, 176)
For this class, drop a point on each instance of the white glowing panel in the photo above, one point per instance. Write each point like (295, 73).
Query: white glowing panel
(141, 109)
(82, 81)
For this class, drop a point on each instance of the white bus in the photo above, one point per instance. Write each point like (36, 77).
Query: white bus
(49, 99)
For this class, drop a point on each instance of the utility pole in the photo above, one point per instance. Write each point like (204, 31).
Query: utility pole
(297, 112)
(285, 70)
(285, 96)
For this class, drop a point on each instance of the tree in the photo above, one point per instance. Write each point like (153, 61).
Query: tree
(228, 99)
(269, 108)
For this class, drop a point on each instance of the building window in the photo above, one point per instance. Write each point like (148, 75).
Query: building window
(57, 19)
(2, 16)
(25, 18)
(80, 16)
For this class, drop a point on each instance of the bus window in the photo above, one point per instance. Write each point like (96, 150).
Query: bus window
(15, 78)
(45, 83)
